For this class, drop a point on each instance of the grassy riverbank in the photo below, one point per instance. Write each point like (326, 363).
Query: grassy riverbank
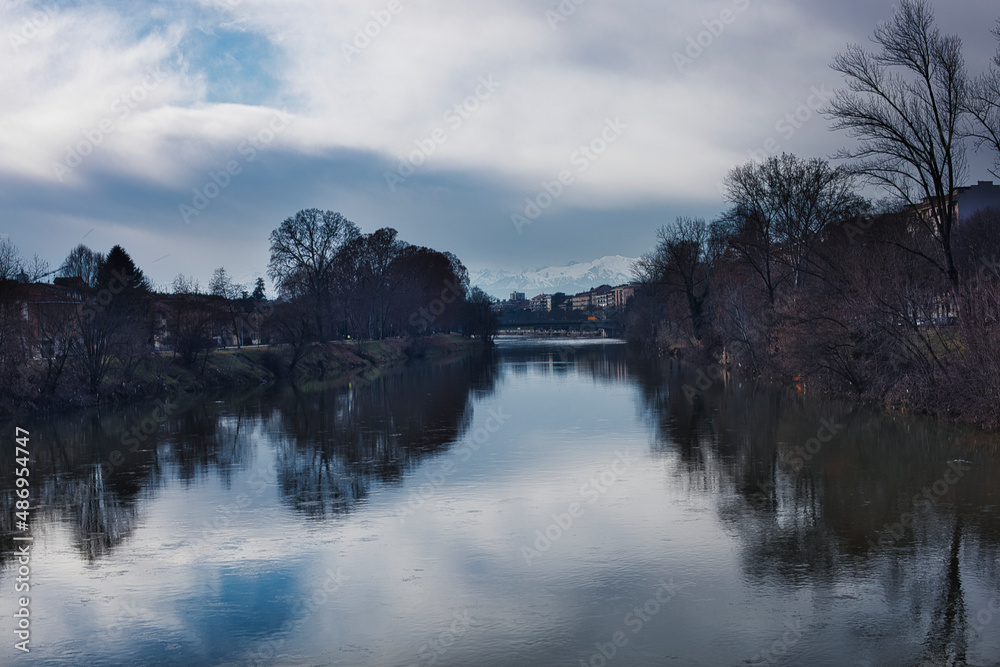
(236, 368)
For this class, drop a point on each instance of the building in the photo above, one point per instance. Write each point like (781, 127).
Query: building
(598, 298)
(580, 301)
(541, 303)
(205, 315)
(601, 297)
(974, 198)
(970, 200)
(51, 312)
(517, 297)
(604, 298)
(621, 294)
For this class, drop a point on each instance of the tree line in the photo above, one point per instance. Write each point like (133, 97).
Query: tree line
(805, 281)
(335, 282)
(102, 328)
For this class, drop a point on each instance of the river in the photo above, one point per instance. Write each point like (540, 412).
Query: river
(560, 503)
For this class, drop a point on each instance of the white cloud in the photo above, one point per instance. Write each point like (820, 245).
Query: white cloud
(557, 89)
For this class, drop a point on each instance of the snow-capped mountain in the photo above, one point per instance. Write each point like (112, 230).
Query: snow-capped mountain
(571, 279)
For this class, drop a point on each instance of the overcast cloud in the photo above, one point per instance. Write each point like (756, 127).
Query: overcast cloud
(187, 130)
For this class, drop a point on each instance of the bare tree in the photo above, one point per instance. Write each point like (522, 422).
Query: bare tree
(811, 197)
(14, 340)
(431, 293)
(291, 323)
(82, 263)
(36, 269)
(683, 263)
(185, 285)
(10, 260)
(752, 225)
(742, 316)
(56, 339)
(780, 208)
(984, 107)
(304, 249)
(14, 334)
(113, 324)
(905, 104)
(479, 319)
(370, 276)
(190, 327)
(222, 285)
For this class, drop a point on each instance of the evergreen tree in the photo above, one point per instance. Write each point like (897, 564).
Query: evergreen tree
(119, 271)
(259, 291)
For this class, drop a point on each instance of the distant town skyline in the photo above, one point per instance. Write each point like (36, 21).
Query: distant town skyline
(513, 134)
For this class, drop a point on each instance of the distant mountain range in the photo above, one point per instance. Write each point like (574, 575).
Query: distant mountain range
(573, 278)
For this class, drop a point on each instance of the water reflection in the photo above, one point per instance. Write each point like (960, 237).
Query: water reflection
(570, 358)
(335, 443)
(827, 495)
(878, 533)
(92, 471)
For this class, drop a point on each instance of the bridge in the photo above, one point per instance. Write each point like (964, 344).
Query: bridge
(594, 327)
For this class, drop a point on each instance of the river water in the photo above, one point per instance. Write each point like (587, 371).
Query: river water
(561, 503)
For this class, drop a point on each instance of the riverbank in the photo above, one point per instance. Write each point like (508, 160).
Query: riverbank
(236, 368)
(953, 399)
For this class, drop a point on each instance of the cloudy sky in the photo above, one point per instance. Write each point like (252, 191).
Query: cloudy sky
(186, 130)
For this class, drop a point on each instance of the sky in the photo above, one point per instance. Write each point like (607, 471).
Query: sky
(514, 133)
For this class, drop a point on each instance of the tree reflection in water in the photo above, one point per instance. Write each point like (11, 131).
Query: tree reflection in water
(93, 470)
(335, 443)
(817, 525)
